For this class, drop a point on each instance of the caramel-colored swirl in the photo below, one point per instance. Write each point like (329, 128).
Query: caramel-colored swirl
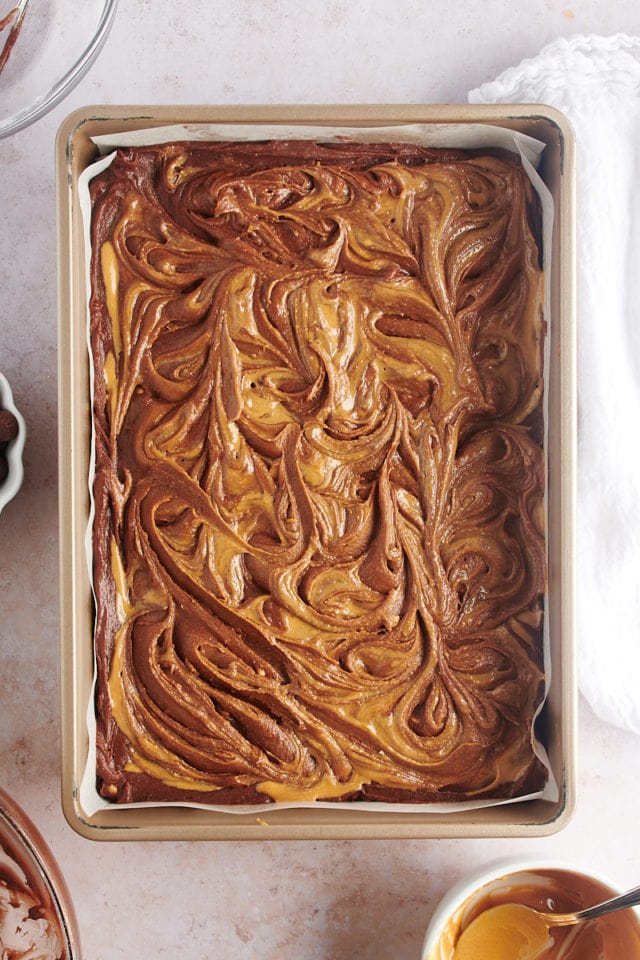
(319, 543)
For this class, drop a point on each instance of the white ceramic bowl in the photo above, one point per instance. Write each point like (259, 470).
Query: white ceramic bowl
(13, 480)
(461, 897)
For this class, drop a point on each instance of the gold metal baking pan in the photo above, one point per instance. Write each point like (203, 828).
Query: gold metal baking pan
(74, 151)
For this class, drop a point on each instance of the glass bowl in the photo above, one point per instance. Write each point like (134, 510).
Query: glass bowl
(11, 475)
(545, 884)
(57, 43)
(36, 914)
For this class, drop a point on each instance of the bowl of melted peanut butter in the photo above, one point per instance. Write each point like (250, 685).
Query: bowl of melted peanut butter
(544, 886)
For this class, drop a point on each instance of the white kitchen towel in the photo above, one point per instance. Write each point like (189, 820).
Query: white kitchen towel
(595, 82)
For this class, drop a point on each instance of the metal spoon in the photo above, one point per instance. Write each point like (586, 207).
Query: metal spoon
(515, 930)
(629, 899)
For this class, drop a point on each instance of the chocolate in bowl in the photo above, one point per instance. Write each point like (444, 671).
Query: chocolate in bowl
(12, 438)
(36, 913)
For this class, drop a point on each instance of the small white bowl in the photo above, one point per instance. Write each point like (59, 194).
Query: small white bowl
(457, 903)
(13, 480)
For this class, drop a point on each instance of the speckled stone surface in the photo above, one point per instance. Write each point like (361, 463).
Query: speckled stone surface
(329, 900)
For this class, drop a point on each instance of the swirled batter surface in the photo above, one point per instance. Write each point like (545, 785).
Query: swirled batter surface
(319, 548)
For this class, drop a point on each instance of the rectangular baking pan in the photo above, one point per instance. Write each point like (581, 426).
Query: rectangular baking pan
(74, 151)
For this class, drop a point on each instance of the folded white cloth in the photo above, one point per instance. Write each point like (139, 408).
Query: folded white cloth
(595, 82)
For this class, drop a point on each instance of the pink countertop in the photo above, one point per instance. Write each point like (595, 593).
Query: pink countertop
(328, 900)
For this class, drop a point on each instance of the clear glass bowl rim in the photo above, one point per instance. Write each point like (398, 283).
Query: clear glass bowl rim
(14, 820)
(66, 83)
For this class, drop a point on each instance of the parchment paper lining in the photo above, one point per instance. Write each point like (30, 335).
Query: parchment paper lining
(465, 136)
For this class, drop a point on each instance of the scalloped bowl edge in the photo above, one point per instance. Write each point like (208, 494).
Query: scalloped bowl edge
(15, 475)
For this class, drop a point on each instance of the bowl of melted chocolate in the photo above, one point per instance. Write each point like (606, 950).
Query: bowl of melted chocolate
(541, 885)
(12, 438)
(37, 921)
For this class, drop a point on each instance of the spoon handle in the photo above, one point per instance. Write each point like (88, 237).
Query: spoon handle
(629, 899)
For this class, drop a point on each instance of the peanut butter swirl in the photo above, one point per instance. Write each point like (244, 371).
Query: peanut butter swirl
(319, 550)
